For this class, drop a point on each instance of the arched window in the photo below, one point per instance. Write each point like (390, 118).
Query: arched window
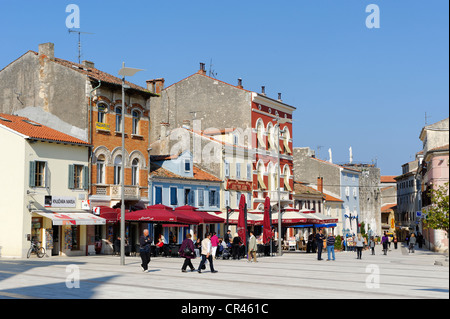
(287, 175)
(287, 137)
(270, 137)
(260, 169)
(117, 170)
(260, 134)
(136, 118)
(118, 119)
(135, 172)
(271, 179)
(276, 134)
(101, 169)
(102, 109)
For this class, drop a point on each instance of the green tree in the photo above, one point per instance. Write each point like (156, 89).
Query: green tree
(437, 212)
(338, 242)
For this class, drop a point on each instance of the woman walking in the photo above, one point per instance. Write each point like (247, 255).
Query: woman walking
(412, 242)
(187, 251)
(384, 241)
(372, 245)
(359, 246)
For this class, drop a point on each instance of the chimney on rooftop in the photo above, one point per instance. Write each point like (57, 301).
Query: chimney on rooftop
(155, 85)
(240, 83)
(164, 128)
(279, 97)
(320, 184)
(202, 69)
(88, 64)
(47, 49)
(187, 124)
(263, 90)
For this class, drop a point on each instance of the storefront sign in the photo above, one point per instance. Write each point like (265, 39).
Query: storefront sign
(86, 205)
(102, 126)
(237, 185)
(60, 201)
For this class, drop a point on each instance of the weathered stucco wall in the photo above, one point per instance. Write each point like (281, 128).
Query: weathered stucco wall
(35, 81)
(211, 99)
(308, 169)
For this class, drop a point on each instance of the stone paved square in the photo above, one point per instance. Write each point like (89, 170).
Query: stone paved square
(400, 275)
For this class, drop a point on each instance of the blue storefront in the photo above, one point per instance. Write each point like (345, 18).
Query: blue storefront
(176, 182)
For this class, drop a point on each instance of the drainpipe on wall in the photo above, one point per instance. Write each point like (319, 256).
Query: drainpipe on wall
(90, 134)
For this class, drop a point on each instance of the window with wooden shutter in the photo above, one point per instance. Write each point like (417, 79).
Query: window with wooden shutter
(287, 175)
(287, 137)
(86, 178)
(71, 176)
(32, 177)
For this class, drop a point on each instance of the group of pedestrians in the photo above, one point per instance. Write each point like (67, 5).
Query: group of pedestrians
(330, 240)
(187, 251)
(207, 248)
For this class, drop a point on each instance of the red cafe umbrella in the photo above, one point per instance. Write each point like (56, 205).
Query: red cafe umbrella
(201, 217)
(159, 214)
(267, 234)
(242, 223)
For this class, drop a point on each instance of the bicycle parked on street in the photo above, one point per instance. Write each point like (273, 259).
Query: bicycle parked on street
(40, 251)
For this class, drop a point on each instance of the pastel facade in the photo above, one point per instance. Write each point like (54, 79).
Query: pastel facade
(48, 175)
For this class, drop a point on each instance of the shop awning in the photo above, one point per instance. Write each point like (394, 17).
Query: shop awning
(315, 225)
(159, 214)
(252, 219)
(289, 217)
(112, 215)
(73, 219)
(317, 218)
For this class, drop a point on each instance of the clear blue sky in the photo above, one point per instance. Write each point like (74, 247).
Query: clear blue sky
(352, 86)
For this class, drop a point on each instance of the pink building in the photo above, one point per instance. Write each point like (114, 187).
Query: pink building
(434, 172)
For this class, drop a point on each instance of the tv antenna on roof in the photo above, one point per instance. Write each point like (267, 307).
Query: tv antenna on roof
(426, 118)
(318, 150)
(79, 42)
(211, 71)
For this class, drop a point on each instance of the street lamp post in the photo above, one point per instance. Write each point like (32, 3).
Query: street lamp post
(279, 121)
(123, 72)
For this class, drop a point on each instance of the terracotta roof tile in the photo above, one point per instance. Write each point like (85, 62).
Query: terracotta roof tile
(301, 188)
(388, 207)
(388, 179)
(199, 174)
(98, 75)
(330, 198)
(37, 131)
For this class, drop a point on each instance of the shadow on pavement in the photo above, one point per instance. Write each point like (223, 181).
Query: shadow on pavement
(60, 290)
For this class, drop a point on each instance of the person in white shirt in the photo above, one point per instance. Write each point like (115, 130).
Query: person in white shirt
(206, 254)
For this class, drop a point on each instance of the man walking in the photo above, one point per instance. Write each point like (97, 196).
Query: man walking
(319, 243)
(206, 254)
(330, 246)
(228, 238)
(144, 249)
(252, 247)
